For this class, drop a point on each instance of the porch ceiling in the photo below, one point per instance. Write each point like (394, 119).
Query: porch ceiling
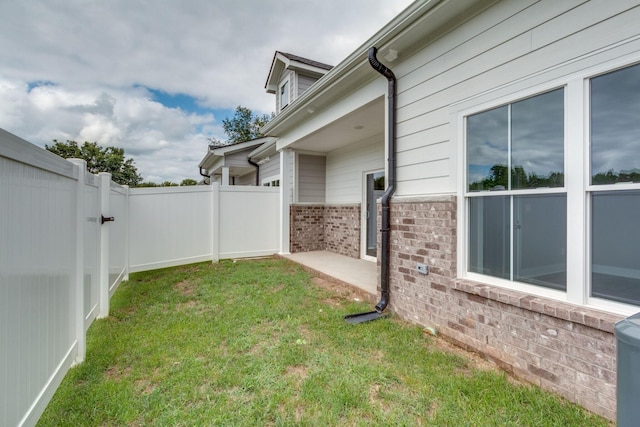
(362, 123)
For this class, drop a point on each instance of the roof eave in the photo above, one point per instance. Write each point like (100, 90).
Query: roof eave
(391, 34)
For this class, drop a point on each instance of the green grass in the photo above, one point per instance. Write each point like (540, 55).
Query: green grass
(257, 343)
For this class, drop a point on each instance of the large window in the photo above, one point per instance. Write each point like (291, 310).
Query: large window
(531, 222)
(614, 192)
(515, 190)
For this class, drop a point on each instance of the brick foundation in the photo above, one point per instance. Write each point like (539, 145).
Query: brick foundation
(567, 349)
(316, 227)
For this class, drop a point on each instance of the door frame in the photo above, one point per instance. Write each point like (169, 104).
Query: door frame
(364, 230)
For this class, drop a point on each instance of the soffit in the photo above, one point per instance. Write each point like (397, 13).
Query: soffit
(359, 125)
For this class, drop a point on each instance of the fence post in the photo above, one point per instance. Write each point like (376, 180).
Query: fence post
(126, 233)
(103, 259)
(215, 218)
(81, 217)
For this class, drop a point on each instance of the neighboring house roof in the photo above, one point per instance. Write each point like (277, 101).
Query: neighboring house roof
(264, 151)
(215, 153)
(287, 61)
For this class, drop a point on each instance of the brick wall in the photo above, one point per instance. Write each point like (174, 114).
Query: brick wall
(316, 227)
(306, 228)
(342, 229)
(560, 347)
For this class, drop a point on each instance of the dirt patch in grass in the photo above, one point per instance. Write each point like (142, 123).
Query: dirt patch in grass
(116, 373)
(145, 386)
(297, 372)
(185, 288)
(340, 291)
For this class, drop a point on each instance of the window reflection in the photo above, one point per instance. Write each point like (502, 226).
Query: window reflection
(537, 141)
(487, 149)
(615, 127)
(532, 130)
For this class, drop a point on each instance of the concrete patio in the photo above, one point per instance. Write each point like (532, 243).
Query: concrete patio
(358, 274)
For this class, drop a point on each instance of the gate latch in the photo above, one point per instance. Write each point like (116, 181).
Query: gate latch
(106, 219)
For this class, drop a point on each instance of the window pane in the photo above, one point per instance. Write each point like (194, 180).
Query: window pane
(284, 94)
(489, 236)
(615, 233)
(615, 127)
(487, 150)
(540, 240)
(537, 141)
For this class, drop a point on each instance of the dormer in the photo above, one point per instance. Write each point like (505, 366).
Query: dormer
(290, 75)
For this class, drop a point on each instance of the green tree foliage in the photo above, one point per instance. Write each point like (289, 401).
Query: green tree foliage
(243, 126)
(100, 159)
(188, 181)
(498, 179)
(610, 177)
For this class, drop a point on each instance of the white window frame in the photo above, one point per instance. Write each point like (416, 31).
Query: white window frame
(577, 188)
(268, 181)
(285, 84)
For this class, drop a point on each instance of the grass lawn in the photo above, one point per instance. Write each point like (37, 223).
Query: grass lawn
(261, 342)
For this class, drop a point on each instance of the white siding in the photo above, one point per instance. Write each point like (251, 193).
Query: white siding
(504, 45)
(270, 168)
(346, 165)
(246, 179)
(311, 178)
(304, 82)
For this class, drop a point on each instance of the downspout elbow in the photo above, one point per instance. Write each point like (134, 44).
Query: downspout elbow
(252, 163)
(204, 175)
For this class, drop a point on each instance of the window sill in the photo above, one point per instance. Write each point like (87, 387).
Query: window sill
(586, 316)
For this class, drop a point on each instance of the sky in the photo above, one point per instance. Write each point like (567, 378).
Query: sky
(158, 77)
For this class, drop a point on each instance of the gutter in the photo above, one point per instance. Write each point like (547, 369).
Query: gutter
(385, 230)
(391, 179)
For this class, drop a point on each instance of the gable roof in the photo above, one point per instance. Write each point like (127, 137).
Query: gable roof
(287, 61)
(216, 152)
(306, 61)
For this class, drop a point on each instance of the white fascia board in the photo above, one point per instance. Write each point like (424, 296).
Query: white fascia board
(213, 155)
(229, 149)
(265, 150)
(207, 160)
(278, 65)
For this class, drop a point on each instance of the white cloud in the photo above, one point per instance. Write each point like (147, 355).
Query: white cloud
(97, 57)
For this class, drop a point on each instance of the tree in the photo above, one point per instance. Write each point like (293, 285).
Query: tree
(244, 126)
(100, 159)
(188, 181)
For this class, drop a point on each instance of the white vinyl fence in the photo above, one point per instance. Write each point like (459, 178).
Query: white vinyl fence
(68, 238)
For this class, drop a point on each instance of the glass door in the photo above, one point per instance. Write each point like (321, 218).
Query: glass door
(375, 190)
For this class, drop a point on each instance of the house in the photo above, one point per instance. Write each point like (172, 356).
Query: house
(505, 134)
(290, 75)
(257, 162)
(230, 164)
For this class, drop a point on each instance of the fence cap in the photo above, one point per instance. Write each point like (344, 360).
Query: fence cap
(628, 330)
